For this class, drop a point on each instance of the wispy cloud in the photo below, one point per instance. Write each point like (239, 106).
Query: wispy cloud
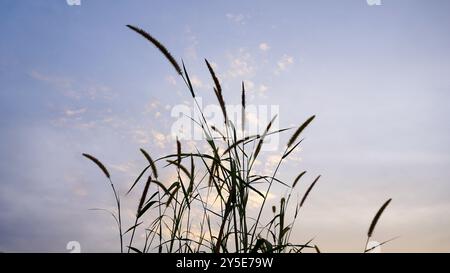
(74, 112)
(171, 80)
(264, 47)
(237, 18)
(74, 89)
(127, 168)
(141, 136)
(160, 139)
(196, 82)
(284, 63)
(263, 88)
(56, 81)
(241, 64)
(191, 50)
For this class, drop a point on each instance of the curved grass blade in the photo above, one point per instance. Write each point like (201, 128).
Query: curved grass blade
(145, 208)
(144, 194)
(377, 217)
(137, 179)
(297, 179)
(308, 191)
(158, 45)
(292, 149)
(132, 227)
(191, 89)
(110, 212)
(299, 130)
(261, 140)
(218, 91)
(380, 244)
(161, 186)
(134, 249)
(317, 249)
(151, 162)
(214, 77)
(98, 163)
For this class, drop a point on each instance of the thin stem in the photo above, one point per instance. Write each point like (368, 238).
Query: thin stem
(265, 197)
(367, 243)
(118, 214)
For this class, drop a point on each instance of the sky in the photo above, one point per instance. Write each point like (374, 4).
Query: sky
(74, 79)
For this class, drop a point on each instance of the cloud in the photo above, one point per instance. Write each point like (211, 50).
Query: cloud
(285, 62)
(255, 200)
(263, 88)
(241, 65)
(75, 112)
(171, 80)
(196, 82)
(96, 91)
(264, 46)
(152, 106)
(86, 125)
(127, 168)
(249, 85)
(159, 139)
(79, 190)
(57, 81)
(124, 168)
(254, 90)
(252, 119)
(78, 187)
(237, 18)
(191, 50)
(141, 137)
(74, 89)
(214, 65)
(155, 137)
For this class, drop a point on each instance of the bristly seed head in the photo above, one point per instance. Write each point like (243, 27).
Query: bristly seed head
(160, 46)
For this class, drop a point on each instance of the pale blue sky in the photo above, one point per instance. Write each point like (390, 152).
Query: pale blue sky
(74, 79)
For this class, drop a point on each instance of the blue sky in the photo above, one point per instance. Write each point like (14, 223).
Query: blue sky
(74, 79)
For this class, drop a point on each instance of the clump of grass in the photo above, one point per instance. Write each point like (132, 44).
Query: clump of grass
(118, 218)
(373, 224)
(206, 208)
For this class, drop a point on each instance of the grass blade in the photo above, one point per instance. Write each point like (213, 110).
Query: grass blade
(134, 249)
(191, 89)
(137, 179)
(132, 227)
(243, 107)
(261, 140)
(145, 208)
(308, 191)
(144, 194)
(317, 249)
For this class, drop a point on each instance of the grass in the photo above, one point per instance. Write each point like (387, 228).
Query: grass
(206, 208)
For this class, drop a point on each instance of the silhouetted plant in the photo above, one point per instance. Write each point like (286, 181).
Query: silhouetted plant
(227, 178)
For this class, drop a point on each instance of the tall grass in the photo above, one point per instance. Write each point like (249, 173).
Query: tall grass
(206, 208)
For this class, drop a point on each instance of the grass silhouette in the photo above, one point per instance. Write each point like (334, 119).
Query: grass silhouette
(218, 185)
